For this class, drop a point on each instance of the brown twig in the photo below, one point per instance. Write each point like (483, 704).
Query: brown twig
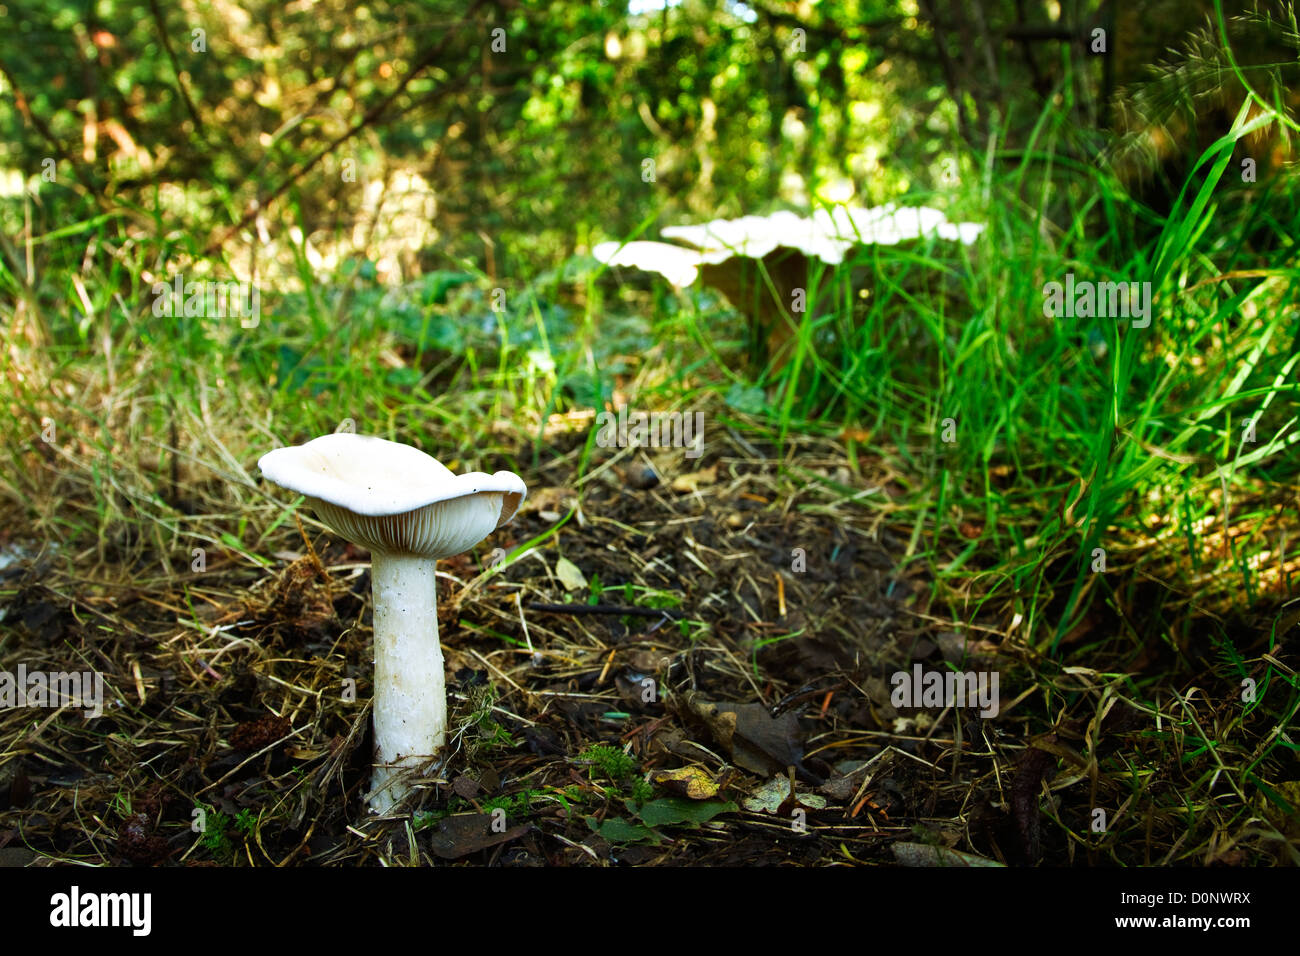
(604, 609)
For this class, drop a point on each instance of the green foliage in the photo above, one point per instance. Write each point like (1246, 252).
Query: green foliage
(514, 804)
(534, 153)
(613, 762)
(647, 817)
(215, 837)
(219, 832)
(121, 804)
(487, 735)
(619, 768)
(423, 819)
(733, 111)
(640, 789)
(517, 806)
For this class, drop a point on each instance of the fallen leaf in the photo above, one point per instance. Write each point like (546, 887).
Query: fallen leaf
(692, 782)
(923, 854)
(461, 835)
(754, 739)
(845, 786)
(618, 830)
(465, 787)
(668, 811)
(570, 575)
(773, 795)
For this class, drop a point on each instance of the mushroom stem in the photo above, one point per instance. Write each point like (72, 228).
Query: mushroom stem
(410, 709)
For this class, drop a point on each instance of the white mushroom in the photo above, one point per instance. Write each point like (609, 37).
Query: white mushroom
(827, 235)
(758, 261)
(678, 265)
(409, 510)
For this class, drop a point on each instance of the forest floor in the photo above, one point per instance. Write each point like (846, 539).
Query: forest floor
(696, 665)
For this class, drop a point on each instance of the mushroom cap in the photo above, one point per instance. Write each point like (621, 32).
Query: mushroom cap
(677, 264)
(394, 498)
(751, 237)
(827, 235)
(889, 224)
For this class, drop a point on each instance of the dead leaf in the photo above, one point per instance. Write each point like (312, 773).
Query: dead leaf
(466, 787)
(754, 739)
(461, 835)
(772, 796)
(846, 786)
(923, 854)
(692, 782)
(570, 575)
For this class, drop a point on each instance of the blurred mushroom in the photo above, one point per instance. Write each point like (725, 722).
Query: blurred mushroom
(409, 510)
(758, 262)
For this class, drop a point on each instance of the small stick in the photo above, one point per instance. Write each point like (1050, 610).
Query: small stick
(608, 662)
(604, 609)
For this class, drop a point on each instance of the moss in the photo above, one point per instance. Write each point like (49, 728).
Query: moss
(611, 761)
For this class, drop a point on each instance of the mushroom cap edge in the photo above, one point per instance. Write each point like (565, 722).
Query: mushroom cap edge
(364, 487)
